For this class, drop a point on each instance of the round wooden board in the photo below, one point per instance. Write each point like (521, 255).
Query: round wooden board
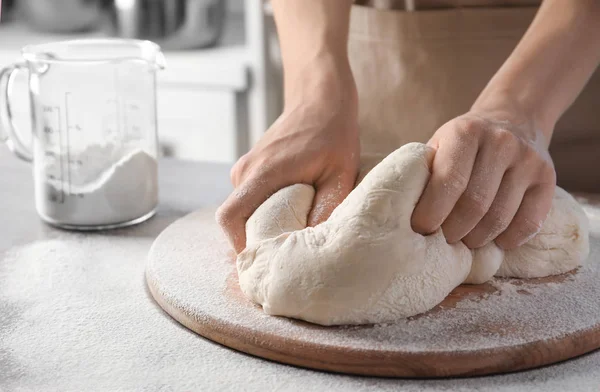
(500, 326)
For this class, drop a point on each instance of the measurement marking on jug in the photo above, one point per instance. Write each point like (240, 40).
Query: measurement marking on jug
(60, 144)
(124, 120)
(67, 96)
(51, 128)
(132, 118)
(117, 105)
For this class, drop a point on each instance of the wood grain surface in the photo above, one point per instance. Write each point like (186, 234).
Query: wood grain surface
(202, 293)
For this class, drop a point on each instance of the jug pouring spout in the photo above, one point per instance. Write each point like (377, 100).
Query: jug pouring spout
(159, 61)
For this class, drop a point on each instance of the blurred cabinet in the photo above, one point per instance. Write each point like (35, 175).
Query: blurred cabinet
(200, 124)
(216, 103)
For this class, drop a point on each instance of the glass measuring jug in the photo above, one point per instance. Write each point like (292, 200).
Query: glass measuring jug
(94, 130)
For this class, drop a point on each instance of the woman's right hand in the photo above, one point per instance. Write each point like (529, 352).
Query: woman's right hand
(315, 141)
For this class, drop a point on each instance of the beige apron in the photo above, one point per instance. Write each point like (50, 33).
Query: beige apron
(416, 70)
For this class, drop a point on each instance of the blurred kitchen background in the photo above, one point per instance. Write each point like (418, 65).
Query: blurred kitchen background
(222, 84)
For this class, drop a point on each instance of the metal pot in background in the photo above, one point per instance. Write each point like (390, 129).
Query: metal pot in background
(61, 16)
(173, 24)
(6, 10)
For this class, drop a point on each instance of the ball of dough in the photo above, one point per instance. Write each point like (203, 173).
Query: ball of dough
(365, 264)
(560, 246)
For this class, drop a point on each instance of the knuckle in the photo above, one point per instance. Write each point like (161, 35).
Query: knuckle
(508, 146)
(223, 216)
(478, 202)
(505, 137)
(454, 181)
(227, 214)
(547, 173)
(540, 168)
(238, 169)
(234, 175)
(469, 127)
(530, 155)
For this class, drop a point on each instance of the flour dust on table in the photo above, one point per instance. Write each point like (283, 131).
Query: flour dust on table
(365, 264)
(102, 185)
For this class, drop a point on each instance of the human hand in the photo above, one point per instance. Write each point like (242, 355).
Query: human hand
(315, 141)
(492, 179)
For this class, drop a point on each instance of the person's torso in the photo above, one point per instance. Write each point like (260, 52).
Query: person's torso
(416, 70)
(413, 5)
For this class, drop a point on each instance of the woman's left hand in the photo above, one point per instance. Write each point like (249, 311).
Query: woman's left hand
(492, 179)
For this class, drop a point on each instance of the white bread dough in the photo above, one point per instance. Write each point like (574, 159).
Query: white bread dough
(365, 264)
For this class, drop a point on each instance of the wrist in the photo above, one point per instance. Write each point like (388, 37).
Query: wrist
(528, 114)
(324, 78)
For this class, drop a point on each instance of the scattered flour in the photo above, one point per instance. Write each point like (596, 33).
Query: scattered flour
(75, 316)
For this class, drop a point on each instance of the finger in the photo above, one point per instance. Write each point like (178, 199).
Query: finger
(530, 217)
(238, 170)
(241, 204)
(474, 203)
(451, 170)
(328, 196)
(501, 212)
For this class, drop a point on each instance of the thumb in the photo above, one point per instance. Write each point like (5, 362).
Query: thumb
(328, 196)
(233, 214)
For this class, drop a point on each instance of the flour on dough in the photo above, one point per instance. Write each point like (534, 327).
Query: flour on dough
(366, 265)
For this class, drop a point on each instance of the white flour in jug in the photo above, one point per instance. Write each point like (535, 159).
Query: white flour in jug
(98, 187)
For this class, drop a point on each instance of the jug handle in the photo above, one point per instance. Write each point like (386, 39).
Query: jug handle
(11, 132)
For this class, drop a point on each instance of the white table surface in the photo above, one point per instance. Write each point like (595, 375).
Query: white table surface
(79, 318)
